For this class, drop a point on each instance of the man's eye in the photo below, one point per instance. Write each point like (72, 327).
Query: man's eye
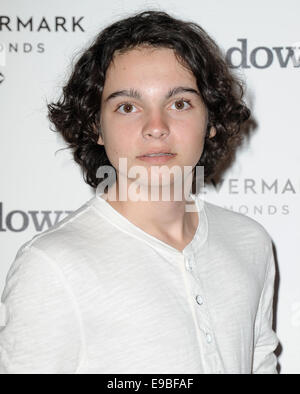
(180, 104)
(127, 108)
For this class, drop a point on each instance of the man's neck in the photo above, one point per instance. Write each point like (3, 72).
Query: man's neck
(166, 220)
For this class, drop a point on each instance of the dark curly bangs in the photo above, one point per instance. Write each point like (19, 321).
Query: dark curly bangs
(76, 115)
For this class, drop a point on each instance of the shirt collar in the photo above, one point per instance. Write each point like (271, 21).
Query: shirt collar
(105, 210)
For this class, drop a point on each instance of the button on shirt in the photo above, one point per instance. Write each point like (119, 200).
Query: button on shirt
(97, 294)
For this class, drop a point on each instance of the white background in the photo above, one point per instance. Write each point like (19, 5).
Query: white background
(34, 178)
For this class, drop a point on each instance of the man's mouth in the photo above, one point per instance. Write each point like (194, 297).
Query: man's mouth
(157, 157)
(158, 154)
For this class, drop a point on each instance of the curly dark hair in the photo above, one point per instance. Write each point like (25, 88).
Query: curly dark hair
(76, 115)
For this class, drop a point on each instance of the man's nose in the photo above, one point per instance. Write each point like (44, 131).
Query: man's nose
(156, 126)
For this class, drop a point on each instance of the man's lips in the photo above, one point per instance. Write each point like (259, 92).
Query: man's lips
(157, 159)
(157, 153)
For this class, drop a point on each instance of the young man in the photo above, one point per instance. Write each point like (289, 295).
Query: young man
(145, 286)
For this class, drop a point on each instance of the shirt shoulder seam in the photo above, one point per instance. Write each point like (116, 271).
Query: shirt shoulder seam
(56, 227)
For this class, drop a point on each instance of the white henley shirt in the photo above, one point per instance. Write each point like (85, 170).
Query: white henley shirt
(97, 294)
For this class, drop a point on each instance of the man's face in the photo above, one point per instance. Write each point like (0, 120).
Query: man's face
(133, 126)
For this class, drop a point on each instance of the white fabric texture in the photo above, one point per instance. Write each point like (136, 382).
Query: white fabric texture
(97, 294)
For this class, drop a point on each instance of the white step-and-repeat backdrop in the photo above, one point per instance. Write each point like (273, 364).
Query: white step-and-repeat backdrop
(38, 42)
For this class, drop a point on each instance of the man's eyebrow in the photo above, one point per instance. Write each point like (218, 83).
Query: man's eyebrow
(133, 93)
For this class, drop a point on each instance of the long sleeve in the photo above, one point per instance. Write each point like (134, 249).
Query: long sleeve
(42, 332)
(265, 360)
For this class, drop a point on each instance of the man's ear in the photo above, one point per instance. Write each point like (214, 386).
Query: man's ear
(99, 133)
(100, 140)
(212, 132)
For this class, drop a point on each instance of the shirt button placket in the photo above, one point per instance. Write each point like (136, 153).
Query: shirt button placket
(208, 337)
(188, 264)
(199, 299)
(211, 361)
(210, 352)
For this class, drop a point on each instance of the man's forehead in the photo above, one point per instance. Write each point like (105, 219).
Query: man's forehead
(119, 67)
(122, 56)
